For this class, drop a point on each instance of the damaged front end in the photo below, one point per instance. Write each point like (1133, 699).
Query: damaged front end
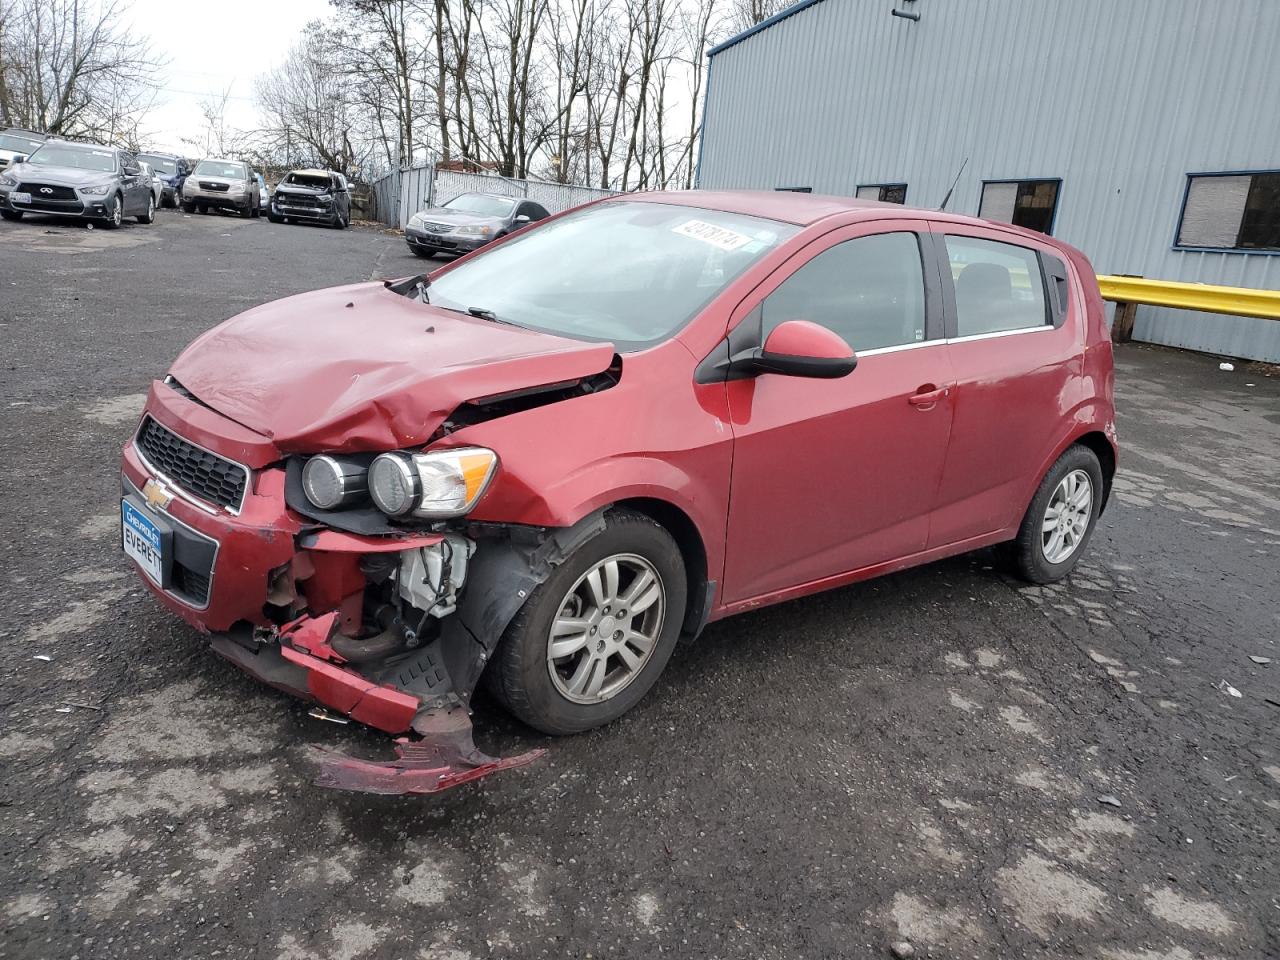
(409, 661)
(364, 589)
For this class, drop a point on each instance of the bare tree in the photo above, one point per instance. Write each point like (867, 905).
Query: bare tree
(311, 113)
(72, 67)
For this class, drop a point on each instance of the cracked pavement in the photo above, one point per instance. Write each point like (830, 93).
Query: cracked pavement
(918, 757)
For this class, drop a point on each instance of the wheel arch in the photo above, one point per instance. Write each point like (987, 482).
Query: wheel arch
(688, 538)
(1105, 451)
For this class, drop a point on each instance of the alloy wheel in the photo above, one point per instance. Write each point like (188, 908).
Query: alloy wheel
(1067, 517)
(606, 629)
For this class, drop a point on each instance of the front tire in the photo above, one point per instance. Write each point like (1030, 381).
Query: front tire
(424, 254)
(592, 640)
(115, 216)
(188, 207)
(13, 216)
(1059, 523)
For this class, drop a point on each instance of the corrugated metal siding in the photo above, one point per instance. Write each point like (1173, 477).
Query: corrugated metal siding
(1121, 100)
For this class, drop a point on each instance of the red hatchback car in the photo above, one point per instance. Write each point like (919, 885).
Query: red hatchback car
(550, 459)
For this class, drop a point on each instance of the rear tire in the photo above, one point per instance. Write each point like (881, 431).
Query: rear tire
(150, 215)
(13, 216)
(628, 648)
(1061, 519)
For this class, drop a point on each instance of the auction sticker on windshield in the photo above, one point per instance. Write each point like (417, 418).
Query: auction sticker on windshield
(721, 237)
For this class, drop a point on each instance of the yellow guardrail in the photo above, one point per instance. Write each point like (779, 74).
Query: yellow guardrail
(1128, 292)
(1240, 301)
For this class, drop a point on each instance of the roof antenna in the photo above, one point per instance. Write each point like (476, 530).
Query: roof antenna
(947, 198)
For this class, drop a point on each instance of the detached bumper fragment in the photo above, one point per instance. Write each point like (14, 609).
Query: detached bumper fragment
(445, 757)
(439, 752)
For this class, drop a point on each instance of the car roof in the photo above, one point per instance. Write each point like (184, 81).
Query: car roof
(803, 209)
(33, 134)
(314, 173)
(223, 160)
(83, 144)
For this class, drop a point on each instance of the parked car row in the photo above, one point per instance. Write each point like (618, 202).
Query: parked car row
(83, 180)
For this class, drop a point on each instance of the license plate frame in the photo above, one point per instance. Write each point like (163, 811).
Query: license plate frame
(147, 540)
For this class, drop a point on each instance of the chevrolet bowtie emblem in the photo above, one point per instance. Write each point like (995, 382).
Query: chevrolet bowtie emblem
(156, 495)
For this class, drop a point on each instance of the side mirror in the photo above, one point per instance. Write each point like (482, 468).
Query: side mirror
(17, 159)
(522, 218)
(799, 348)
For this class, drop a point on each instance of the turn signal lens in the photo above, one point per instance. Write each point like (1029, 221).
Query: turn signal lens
(435, 485)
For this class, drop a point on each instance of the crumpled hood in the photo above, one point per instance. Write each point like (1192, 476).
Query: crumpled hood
(359, 368)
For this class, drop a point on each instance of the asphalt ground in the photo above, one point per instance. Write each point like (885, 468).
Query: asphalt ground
(918, 758)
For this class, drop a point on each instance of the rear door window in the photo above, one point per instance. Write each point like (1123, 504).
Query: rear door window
(999, 286)
(869, 291)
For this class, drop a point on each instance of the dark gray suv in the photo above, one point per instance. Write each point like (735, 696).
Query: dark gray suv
(468, 221)
(83, 180)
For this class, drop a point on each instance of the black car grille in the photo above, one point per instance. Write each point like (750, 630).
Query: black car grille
(196, 470)
(210, 185)
(299, 200)
(47, 191)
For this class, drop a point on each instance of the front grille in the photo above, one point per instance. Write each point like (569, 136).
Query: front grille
(53, 206)
(190, 585)
(37, 191)
(299, 200)
(210, 185)
(205, 474)
(437, 227)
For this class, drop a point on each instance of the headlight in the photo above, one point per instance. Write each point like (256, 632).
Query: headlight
(333, 482)
(235, 186)
(7, 181)
(97, 190)
(474, 231)
(437, 485)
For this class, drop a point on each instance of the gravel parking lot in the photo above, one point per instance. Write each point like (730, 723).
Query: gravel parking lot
(944, 756)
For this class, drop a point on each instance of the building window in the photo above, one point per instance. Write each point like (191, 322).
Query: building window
(1024, 203)
(999, 287)
(884, 192)
(1231, 211)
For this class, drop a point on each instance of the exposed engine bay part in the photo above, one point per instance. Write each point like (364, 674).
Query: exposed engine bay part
(430, 577)
(504, 404)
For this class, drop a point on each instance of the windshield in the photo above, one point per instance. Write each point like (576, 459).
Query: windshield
(317, 181)
(10, 141)
(82, 158)
(625, 272)
(163, 164)
(220, 168)
(482, 205)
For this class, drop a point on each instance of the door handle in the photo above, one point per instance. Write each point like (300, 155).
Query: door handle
(928, 395)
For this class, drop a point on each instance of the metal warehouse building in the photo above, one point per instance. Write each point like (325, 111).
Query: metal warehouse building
(1145, 132)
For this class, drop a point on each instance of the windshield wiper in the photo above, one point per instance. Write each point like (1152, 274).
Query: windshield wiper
(411, 285)
(485, 314)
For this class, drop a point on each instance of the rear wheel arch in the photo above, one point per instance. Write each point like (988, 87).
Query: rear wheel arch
(1101, 445)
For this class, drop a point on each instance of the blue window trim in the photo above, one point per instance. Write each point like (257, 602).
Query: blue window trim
(1182, 212)
(1057, 197)
(778, 17)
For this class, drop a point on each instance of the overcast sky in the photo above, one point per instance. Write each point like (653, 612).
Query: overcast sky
(210, 48)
